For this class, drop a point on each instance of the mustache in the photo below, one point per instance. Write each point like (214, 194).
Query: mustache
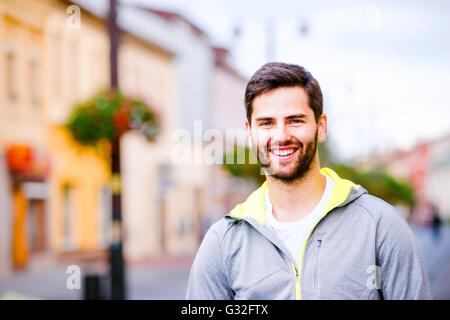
(262, 152)
(296, 144)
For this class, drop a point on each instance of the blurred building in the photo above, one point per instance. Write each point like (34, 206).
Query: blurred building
(167, 199)
(427, 167)
(438, 178)
(176, 190)
(26, 110)
(55, 194)
(228, 116)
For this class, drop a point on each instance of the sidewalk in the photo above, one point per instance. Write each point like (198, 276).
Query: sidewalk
(436, 255)
(164, 278)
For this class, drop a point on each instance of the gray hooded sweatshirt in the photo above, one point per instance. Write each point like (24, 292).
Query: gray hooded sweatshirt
(361, 248)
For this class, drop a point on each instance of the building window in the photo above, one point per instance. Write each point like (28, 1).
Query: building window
(36, 225)
(11, 73)
(68, 242)
(56, 66)
(34, 83)
(104, 216)
(74, 74)
(98, 71)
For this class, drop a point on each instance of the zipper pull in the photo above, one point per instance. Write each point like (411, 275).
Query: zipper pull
(295, 270)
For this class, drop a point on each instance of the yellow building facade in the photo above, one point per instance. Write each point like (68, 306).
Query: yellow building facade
(48, 64)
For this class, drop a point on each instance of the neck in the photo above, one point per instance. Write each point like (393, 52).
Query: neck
(294, 200)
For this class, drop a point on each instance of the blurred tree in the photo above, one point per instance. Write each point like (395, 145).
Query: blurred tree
(242, 163)
(325, 155)
(377, 183)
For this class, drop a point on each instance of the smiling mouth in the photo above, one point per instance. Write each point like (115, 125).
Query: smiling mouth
(283, 154)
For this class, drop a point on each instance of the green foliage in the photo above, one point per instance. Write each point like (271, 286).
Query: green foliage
(376, 182)
(325, 155)
(379, 184)
(108, 116)
(242, 163)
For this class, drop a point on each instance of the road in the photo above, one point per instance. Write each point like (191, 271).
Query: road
(436, 255)
(167, 280)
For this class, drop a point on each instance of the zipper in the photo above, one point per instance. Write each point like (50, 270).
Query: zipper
(297, 282)
(337, 198)
(279, 245)
(319, 242)
(297, 272)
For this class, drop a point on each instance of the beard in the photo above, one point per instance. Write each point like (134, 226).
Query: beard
(296, 168)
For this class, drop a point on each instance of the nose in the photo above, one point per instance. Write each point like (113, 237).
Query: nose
(281, 134)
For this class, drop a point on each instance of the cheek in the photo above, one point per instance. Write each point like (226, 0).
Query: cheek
(307, 135)
(301, 137)
(261, 137)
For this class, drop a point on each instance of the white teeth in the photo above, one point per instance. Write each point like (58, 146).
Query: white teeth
(282, 152)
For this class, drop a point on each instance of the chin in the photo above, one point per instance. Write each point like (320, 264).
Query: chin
(284, 175)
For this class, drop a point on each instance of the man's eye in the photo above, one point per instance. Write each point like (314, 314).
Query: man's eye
(267, 123)
(296, 121)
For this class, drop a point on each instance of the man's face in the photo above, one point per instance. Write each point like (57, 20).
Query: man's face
(284, 133)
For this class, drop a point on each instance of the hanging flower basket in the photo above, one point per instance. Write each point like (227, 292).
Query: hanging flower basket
(108, 116)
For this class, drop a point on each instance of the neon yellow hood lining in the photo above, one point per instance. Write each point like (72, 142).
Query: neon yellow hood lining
(254, 205)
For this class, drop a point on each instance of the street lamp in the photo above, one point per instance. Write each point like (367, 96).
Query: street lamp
(116, 249)
(105, 118)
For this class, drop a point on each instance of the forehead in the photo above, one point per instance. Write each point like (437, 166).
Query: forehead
(282, 102)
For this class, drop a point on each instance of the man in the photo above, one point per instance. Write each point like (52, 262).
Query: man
(306, 233)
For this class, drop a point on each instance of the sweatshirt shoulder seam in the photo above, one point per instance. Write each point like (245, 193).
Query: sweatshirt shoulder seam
(381, 201)
(371, 214)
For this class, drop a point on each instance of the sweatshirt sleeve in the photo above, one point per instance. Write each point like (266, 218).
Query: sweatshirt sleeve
(402, 270)
(207, 279)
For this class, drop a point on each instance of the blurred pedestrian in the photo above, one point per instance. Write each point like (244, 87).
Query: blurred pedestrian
(436, 223)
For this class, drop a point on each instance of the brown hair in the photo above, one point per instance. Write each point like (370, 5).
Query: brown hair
(276, 75)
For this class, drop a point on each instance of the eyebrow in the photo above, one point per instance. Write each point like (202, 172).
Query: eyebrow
(293, 116)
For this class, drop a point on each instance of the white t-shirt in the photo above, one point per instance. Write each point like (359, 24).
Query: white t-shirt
(293, 234)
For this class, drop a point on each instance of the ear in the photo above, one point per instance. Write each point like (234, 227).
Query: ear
(322, 128)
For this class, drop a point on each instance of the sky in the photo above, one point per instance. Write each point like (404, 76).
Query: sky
(384, 66)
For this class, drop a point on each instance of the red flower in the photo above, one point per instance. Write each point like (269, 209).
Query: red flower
(121, 123)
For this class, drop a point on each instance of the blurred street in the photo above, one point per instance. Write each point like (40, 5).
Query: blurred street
(436, 255)
(163, 279)
(166, 278)
(123, 126)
